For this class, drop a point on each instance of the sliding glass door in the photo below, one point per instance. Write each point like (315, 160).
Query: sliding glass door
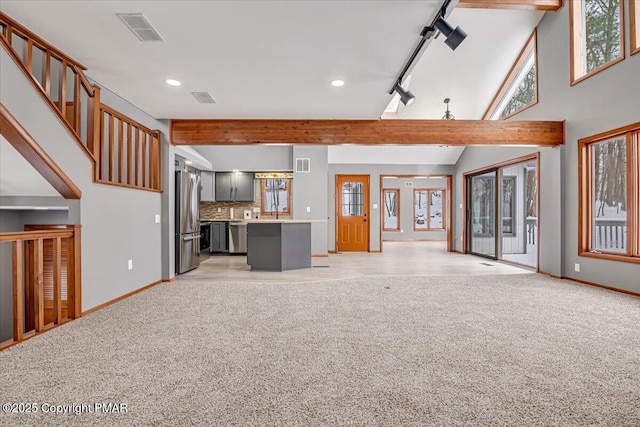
(519, 213)
(502, 213)
(482, 220)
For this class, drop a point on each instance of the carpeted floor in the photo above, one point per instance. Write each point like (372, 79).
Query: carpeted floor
(514, 350)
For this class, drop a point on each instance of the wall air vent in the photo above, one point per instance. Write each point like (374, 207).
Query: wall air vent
(204, 97)
(303, 165)
(141, 27)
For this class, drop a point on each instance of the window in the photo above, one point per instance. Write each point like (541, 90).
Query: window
(520, 88)
(276, 196)
(508, 205)
(428, 209)
(597, 36)
(391, 210)
(610, 195)
(634, 11)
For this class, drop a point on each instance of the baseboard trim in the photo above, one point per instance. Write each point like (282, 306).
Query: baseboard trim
(597, 285)
(375, 251)
(319, 255)
(414, 240)
(333, 252)
(171, 279)
(121, 297)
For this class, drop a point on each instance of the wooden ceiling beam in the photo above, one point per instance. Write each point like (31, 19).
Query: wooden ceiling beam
(552, 5)
(367, 132)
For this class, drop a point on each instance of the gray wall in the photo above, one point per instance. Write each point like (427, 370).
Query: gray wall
(605, 101)
(310, 191)
(117, 223)
(249, 158)
(374, 172)
(406, 208)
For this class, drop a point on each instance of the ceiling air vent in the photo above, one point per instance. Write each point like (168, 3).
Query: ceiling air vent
(303, 165)
(141, 27)
(204, 97)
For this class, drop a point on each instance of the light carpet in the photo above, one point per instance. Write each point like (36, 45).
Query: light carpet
(508, 350)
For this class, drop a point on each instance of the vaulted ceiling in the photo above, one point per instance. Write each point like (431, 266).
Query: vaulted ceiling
(275, 59)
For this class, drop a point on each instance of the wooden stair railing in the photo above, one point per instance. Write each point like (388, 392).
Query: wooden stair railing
(59, 77)
(130, 152)
(45, 258)
(62, 83)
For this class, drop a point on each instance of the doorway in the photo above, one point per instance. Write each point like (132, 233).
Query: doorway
(502, 212)
(352, 216)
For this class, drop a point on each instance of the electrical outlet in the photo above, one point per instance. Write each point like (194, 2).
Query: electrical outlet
(402, 230)
(157, 219)
(308, 208)
(375, 206)
(219, 209)
(576, 267)
(130, 264)
(460, 205)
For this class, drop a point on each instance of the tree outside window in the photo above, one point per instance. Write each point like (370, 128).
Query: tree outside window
(391, 210)
(276, 196)
(610, 195)
(596, 36)
(519, 89)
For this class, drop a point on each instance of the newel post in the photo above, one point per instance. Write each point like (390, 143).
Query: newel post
(94, 130)
(74, 274)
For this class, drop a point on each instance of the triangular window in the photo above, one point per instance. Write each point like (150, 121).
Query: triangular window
(520, 88)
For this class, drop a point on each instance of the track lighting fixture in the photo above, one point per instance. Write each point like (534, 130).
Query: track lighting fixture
(453, 40)
(406, 96)
(454, 37)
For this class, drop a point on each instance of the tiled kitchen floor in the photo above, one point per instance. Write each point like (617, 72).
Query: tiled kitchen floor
(398, 258)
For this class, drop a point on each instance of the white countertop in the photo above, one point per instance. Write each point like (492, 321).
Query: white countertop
(266, 220)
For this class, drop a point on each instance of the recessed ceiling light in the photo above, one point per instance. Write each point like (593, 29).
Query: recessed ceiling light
(337, 83)
(172, 82)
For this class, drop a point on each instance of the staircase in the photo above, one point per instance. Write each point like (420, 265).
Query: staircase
(46, 259)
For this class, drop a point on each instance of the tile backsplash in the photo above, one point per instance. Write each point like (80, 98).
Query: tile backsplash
(209, 210)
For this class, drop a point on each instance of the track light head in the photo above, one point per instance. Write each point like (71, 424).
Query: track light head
(454, 37)
(406, 96)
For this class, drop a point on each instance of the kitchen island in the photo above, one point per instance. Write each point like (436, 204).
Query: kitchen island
(278, 245)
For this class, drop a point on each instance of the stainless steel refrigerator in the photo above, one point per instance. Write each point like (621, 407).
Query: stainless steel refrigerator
(187, 221)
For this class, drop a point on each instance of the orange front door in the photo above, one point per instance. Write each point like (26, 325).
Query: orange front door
(352, 202)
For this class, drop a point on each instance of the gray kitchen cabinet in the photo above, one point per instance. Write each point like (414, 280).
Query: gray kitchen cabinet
(234, 187)
(207, 193)
(244, 187)
(219, 231)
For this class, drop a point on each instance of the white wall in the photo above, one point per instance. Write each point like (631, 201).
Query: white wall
(117, 223)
